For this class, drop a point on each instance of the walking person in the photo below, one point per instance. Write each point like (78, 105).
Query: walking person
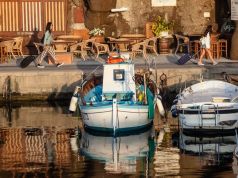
(47, 48)
(206, 45)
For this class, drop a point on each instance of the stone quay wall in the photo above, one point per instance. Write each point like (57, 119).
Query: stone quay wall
(53, 85)
(38, 85)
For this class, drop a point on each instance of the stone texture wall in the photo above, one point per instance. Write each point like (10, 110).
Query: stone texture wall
(24, 85)
(188, 15)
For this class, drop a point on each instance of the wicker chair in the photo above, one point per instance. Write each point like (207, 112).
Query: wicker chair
(181, 41)
(39, 47)
(8, 51)
(138, 48)
(82, 48)
(101, 49)
(151, 44)
(17, 46)
(3, 58)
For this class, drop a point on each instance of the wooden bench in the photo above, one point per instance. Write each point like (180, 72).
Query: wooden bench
(65, 57)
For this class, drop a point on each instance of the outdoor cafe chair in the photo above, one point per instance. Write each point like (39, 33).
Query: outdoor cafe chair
(151, 44)
(39, 47)
(138, 48)
(8, 51)
(2, 52)
(101, 49)
(182, 41)
(83, 48)
(17, 46)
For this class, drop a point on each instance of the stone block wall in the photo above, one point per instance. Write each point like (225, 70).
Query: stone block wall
(30, 85)
(188, 15)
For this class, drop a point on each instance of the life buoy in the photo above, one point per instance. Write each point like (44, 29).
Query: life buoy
(114, 60)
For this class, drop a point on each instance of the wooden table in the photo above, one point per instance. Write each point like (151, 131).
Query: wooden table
(76, 38)
(62, 45)
(135, 37)
(120, 44)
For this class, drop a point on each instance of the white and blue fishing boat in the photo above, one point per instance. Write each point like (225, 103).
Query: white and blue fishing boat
(208, 106)
(118, 101)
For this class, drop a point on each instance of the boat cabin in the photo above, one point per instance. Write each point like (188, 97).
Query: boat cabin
(119, 82)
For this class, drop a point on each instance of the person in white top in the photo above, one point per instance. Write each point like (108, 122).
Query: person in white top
(205, 46)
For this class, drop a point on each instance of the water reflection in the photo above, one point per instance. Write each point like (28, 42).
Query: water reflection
(44, 141)
(212, 150)
(25, 150)
(35, 141)
(167, 158)
(120, 154)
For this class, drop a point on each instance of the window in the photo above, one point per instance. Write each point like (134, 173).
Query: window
(119, 74)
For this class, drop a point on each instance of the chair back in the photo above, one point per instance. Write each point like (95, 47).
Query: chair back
(151, 41)
(100, 48)
(18, 43)
(88, 44)
(9, 45)
(39, 47)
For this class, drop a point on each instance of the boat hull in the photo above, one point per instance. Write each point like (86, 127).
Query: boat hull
(218, 120)
(128, 118)
(207, 106)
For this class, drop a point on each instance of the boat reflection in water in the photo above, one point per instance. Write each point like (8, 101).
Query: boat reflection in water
(214, 150)
(120, 154)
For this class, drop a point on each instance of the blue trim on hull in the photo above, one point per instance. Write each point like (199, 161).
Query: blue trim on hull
(119, 132)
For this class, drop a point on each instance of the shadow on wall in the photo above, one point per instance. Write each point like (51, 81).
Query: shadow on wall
(98, 15)
(34, 38)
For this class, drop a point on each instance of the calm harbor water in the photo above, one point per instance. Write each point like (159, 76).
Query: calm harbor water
(42, 140)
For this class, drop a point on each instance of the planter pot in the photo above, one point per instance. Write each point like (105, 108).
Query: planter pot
(99, 39)
(163, 46)
(164, 33)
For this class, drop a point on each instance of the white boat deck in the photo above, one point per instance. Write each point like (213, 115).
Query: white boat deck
(206, 91)
(205, 96)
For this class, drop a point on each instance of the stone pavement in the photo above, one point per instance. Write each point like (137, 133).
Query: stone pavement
(169, 61)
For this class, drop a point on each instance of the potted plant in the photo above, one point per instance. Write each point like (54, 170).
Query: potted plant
(161, 27)
(98, 34)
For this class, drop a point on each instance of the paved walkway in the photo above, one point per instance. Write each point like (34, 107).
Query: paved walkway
(161, 61)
